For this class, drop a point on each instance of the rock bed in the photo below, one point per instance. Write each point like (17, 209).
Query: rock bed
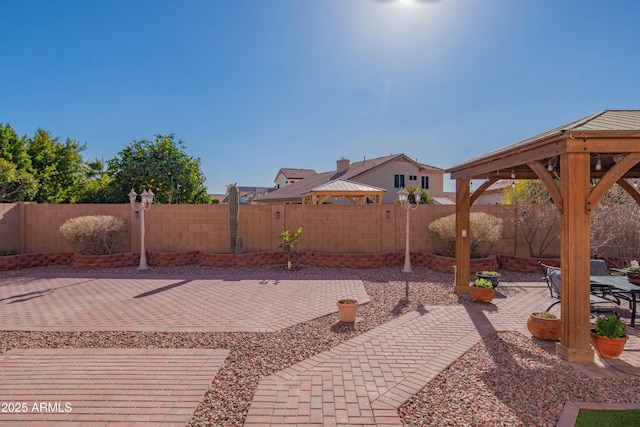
(517, 383)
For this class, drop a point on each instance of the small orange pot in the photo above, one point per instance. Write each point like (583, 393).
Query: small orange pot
(479, 294)
(347, 310)
(543, 328)
(609, 348)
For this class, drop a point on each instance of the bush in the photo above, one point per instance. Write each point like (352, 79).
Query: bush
(485, 231)
(95, 235)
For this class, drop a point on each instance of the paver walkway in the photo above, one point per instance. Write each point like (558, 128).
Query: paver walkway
(195, 304)
(97, 387)
(364, 381)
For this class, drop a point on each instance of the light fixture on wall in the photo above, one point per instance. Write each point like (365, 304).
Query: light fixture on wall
(598, 163)
(388, 214)
(513, 174)
(277, 214)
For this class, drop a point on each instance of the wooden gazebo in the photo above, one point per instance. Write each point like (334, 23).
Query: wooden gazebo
(604, 146)
(355, 192)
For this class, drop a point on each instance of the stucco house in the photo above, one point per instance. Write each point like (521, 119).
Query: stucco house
(287, 176)
(390, 173)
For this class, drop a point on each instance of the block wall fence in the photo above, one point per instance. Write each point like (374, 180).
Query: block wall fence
(341, 229)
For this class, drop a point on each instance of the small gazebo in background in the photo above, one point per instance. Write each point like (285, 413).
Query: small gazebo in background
(604, 146)
(356, 193)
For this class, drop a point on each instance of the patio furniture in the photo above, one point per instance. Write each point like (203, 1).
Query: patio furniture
(552, 277)
(621, 289)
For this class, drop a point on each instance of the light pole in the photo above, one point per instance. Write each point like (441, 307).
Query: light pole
(145, 204)
(403, 195)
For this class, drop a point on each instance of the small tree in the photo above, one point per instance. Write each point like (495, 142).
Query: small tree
(289, 241)
(615, 225)
(534, 214)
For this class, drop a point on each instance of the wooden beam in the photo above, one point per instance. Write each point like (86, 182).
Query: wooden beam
(488, 183)
(630, 189)
(613, 175)
(574, 259)
(548, 181)
(463, 236)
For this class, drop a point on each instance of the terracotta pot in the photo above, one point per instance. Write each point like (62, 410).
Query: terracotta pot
(479, 294)
(609, 348)
(543, 328)
(633, 277)
(347, 310)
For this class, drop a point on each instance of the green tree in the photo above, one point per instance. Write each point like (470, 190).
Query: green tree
(16, 179)
(160, 165)
(425, 199)
(58, 167)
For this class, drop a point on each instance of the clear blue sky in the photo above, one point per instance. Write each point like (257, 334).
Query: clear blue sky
(255, 85)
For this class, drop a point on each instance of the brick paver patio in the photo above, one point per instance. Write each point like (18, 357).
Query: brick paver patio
(365, 380)
(195, 304)
(359, 382)
(101, 386)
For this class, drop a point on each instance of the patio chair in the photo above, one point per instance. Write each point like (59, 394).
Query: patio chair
(552, 277)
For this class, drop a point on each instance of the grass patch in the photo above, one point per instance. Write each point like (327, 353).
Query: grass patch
(609, 418)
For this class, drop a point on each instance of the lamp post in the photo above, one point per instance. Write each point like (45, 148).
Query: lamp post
(403, 195)
(145, 204)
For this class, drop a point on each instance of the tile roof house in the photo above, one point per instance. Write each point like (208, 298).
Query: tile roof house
(388, 173)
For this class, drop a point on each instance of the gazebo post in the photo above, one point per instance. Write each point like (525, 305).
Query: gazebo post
(463, 241)
(574, 258)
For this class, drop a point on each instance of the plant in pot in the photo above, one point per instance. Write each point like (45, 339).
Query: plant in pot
(492, 276)
(347, 309)
(481, 290)
(289, 241)
(544, 325)
(633, 272)
(609, 336)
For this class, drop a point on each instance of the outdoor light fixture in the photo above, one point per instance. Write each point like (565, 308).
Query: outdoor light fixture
(598, 163)
(144, 205)
(388, 214)
(552, 165)
(403, 196)
(513, 174)
(277, 214)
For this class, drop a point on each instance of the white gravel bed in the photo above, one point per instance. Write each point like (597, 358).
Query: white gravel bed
(506, 380)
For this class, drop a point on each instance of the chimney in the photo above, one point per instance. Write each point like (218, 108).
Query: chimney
(342, 164)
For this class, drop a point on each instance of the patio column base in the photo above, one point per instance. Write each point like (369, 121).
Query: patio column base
(575, 355)
(459, 290)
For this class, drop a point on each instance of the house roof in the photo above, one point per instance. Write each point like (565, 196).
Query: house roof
(293, 192)
(291, 173)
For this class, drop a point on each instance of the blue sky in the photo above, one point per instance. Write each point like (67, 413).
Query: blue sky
(251, 86)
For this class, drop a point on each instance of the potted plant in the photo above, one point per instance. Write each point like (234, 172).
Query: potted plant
(609, 336)
(289, 240)
(492, 276)
(481, 290)
(347, 309)
(633, 272)
(544, 325)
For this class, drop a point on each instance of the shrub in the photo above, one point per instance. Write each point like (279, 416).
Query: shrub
(95, 234)
(485, 231)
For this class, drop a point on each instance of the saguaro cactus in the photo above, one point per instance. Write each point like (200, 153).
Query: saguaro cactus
(233, 193)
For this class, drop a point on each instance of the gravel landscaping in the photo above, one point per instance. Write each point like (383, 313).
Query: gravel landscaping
(504, 380)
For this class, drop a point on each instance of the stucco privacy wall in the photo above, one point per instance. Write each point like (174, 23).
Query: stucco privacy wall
(32, 227)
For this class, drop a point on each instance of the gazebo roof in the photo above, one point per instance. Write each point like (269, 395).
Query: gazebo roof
(513, 159)
(342, 188)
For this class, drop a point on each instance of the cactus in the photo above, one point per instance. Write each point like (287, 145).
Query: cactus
(233, 193)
